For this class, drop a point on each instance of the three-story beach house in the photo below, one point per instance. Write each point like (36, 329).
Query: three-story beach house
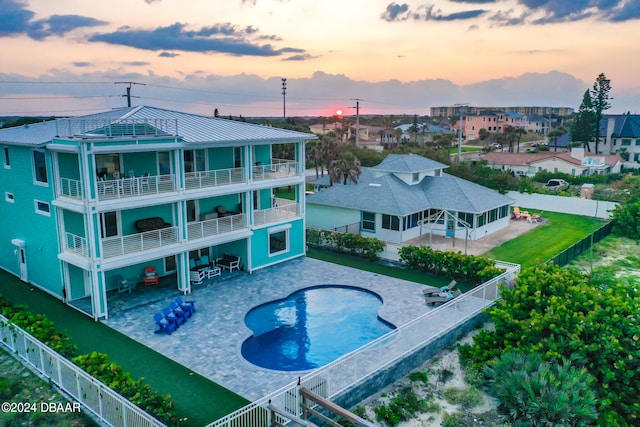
(92, 200)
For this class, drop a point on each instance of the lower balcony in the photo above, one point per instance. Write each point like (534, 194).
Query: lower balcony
(133, 243)
(75, 244)
(212, 227)
(213, 178)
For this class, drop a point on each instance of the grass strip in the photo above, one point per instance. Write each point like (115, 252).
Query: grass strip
(547, 240)
(198, 400)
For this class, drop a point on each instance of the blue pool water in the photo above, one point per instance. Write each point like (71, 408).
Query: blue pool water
(312, 327)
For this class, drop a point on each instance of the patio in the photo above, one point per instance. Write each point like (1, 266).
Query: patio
(209, 343)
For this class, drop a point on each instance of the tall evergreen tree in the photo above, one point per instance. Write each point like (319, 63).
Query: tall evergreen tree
(600, 101)
(582, 128)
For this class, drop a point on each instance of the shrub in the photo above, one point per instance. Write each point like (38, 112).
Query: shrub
(402, 407)
(453, 420)
(353, 244)
(140, 394)
(419, 376)
(468, 397)
(532, 391)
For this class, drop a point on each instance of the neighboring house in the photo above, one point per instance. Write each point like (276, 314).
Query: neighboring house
(620, 134)
(491, 121)
(93, 199)
(405, 197)
(426, 132)
(576, 162)
(538, 124)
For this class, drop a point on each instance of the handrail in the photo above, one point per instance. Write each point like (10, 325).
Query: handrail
(110, 407)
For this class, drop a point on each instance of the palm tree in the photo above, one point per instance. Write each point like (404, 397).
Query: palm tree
(346, 168)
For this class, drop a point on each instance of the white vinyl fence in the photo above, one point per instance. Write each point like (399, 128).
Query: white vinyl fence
(355, 367)
(108, 406)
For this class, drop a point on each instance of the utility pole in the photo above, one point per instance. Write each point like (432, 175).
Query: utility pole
(357, 107)
(284, 95)
(128, 95)
(461, 109)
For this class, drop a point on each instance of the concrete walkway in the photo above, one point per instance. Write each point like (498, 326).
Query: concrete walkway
(210, 342)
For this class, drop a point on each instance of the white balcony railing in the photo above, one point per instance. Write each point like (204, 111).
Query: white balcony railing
(279, 169)
(76, 244)
(213, 178)
(135, 186)
(71, 188)
(212, 227)
(132, 243)
(275, 214)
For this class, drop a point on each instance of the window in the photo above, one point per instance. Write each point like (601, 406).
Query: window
(467, 218)
(493, 215)
(415, 177)
(279, 240)
(40, 167)
(637, 141)
(626, 142)
(7, 161)
(109, 224)
(164, 163)
(390, 222)
(504, 211)
(194, 161)
(108, 165)
(43, 208)
(9, 197)
(170, 264)
(482, 219)
(368, 221)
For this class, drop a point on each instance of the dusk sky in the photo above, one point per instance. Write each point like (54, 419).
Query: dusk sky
(63, 57)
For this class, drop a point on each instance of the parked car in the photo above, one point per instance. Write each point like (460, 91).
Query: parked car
(534, 144)
(556, 185)
(496, 146)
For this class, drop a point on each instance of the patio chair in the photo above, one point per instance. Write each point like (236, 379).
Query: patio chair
(179, 311)
(428, 290)
(172, 317)
(196, 277)
(150, 276)
(229, 262)
(107, 185)
(164, 326)
(186, 305)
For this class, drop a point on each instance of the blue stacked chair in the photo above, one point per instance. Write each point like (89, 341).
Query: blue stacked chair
(164, 325)
(172, 317)
(189, 306)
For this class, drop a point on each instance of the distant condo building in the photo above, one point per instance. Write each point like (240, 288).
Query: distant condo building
(454, 110)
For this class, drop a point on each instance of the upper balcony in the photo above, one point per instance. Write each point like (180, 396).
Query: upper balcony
(277, 169)
(213, 178)
(134, 186)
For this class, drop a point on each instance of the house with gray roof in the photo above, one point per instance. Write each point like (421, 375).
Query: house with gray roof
(406, 196)
(620, 134)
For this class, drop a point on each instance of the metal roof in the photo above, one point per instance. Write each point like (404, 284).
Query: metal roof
(35, 134)
(390, 195)
(407, 163)
(190, 128)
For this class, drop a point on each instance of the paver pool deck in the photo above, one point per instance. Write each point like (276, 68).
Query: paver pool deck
(209, 343)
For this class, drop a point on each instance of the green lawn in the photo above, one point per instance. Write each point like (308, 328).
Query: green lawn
(197, 399)
(544, 242)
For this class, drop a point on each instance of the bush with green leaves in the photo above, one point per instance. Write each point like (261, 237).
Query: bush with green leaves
(560, 313)
(353, 244)
(467, 397)
(626, 220)
(140, 394)
(402, 407)
(469, 269)
(532, 391)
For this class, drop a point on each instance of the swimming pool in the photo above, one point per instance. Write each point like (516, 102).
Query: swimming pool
(312, 327)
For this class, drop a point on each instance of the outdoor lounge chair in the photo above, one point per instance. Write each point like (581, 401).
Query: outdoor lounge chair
(433, 300)
(172, 317)
(164, 326)
(450, 286)
(186, 305)
(428, 290)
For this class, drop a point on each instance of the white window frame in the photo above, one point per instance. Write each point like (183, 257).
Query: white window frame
(287, 239)
(8, 197)
(7, 159)
(39, 211)
(35, 172)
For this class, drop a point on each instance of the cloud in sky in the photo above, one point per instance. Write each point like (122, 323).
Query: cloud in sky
(320, 94)
(535, 12)
(16, 19)
(222, 38)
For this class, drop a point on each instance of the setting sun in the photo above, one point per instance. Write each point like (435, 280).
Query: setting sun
(338, 113)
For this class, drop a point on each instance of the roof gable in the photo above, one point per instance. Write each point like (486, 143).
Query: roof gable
(407, 163)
